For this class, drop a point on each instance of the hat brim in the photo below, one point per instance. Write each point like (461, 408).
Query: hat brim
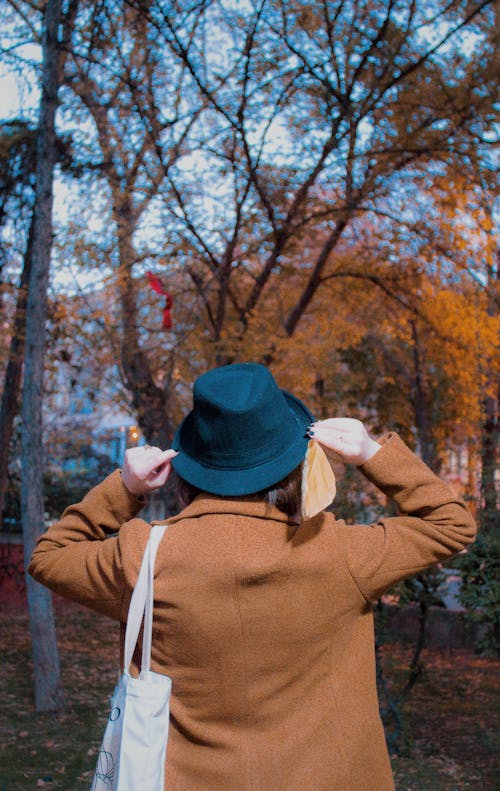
(243, 480)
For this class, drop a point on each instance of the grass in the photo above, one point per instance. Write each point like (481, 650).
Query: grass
(451, 738)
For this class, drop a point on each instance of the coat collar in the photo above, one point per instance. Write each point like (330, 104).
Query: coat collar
(211, 504)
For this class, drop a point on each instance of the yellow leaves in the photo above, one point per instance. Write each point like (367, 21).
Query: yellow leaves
(465, 320)
(462, 364)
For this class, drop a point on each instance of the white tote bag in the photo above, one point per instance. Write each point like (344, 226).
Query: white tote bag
(133, 750)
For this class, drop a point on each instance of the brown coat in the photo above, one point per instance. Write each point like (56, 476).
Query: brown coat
(265, 626)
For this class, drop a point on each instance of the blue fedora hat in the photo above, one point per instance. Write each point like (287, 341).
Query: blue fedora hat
(243, 434)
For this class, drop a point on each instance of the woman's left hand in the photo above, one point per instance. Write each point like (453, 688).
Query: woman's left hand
(347, 437)
(146, 468)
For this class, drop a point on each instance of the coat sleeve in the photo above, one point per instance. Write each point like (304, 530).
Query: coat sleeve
(80, 557)
(434, 523)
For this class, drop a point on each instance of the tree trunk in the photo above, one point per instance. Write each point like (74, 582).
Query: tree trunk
(12, 383)
(489, 494)
(48, 692)
(491, 429)
(419, 401)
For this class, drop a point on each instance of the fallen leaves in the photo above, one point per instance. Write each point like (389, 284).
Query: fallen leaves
(452, 713)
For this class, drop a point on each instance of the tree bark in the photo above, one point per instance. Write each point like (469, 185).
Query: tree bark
(491, 427)
(489, 494)
(48, 691)
(9, 406)
(419, 402)
(12, 384)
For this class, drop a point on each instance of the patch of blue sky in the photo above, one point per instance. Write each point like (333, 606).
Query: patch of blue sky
(82, 254)
(272, 138)
(19, 65)
(439, 33)
(19, 92)
(207, 192)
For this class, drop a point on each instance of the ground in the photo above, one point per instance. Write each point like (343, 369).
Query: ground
(451, 717)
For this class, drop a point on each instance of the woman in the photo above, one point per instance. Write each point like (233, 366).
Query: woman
(262, 619)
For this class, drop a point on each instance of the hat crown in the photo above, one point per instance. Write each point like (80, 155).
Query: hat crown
(240, 416)
(243, 433)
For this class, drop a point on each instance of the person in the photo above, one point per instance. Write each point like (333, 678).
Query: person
(262, 618)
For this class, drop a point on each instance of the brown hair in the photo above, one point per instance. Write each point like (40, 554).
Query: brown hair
(285, 495)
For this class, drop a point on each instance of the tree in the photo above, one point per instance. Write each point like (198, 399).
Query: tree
(48, 693)
(17, 172)
(17, 177)
(355, 122)
(351, 120)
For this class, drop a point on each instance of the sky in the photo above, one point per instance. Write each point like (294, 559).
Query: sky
(19, 90)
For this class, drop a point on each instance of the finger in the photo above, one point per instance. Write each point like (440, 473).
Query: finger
(332, 444)
(169, 454)
(325, 433)
(148, 451)
(164, 458)
(163, 463)
(156, 455)
(329, 424)
(158, 476)
(157, 479)
(334, 426)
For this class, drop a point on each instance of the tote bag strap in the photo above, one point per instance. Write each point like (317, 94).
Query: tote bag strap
(141, 603)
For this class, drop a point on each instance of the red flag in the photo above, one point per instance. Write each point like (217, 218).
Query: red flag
(156, 284)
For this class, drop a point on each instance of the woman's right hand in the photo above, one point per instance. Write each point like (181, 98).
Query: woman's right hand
(347, 437)
(146, 468)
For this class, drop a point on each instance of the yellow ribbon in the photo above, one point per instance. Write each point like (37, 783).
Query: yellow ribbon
(318, 481)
